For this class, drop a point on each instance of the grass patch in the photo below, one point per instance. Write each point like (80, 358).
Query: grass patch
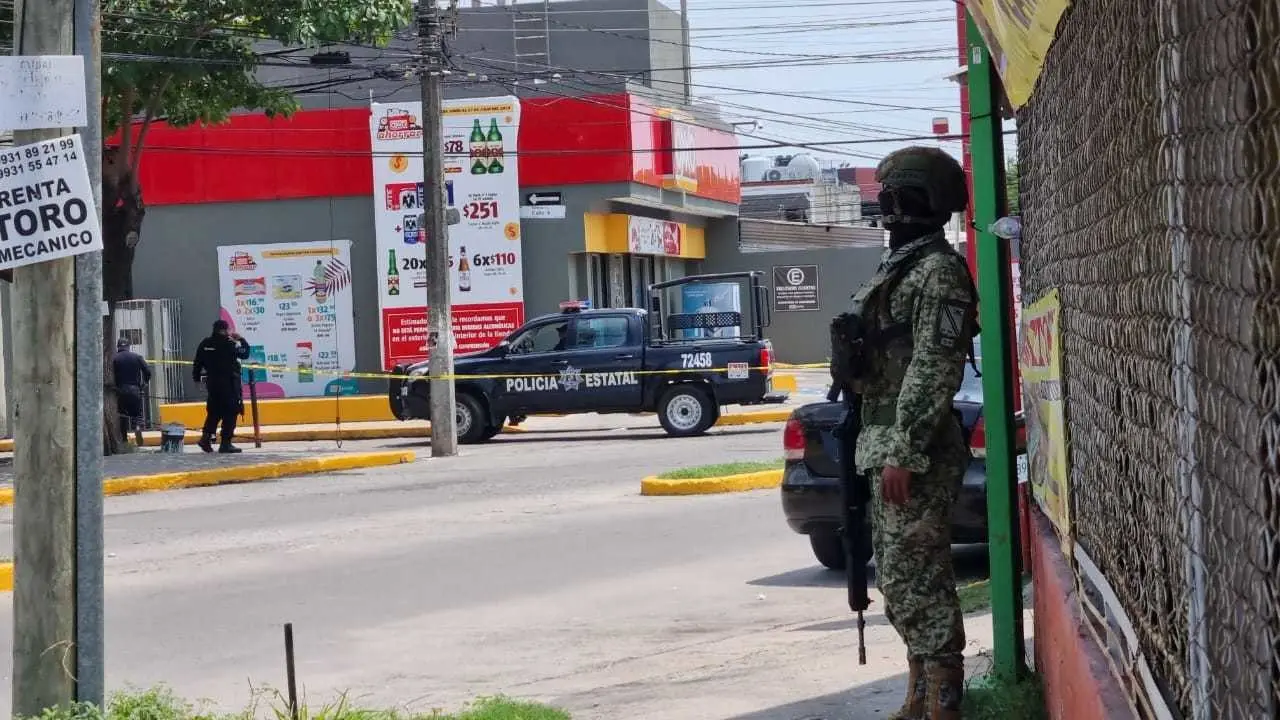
(976, 596)
(990, 698)
(720, 469)
(161, 704)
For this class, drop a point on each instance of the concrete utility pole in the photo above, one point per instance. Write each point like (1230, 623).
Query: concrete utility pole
(90, 362)
(44, 459)
(685, 52)
(444, 431)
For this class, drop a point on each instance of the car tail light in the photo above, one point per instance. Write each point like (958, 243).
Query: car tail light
(766, 359)
(978, 436)
(793, 440)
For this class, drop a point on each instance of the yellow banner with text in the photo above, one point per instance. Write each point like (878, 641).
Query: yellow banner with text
(1040, 360)
(1018, 33)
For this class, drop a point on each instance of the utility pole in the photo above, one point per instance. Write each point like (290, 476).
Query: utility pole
(90, 366)
(44, 458)
(444, 431)
(686, 52)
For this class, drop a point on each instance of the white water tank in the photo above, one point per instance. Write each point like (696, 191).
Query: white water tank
(754, 167)
(804, 167)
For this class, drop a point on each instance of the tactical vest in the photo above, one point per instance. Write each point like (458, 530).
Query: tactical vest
(854, 333)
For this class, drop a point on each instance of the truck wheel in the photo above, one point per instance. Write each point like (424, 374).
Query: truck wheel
(469, 419)
(686, 410)
(828, 548)
(492, 431)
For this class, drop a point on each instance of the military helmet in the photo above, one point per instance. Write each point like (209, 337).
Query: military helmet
(930, 170)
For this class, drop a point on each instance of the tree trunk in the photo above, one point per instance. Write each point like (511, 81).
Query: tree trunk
(122, 214)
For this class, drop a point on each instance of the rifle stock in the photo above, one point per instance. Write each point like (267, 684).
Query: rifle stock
(855, 495)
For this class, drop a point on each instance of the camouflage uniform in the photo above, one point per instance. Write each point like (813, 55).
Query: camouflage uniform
(907, 422)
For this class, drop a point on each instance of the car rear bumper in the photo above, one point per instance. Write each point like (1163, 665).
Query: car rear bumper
(407, 403)
(811, 503)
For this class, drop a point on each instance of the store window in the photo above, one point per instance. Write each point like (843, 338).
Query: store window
(623, 280)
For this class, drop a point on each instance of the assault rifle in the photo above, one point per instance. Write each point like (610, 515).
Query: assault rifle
(855, 495)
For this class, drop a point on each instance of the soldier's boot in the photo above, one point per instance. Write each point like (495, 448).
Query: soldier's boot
(945, 691)
(913, 707)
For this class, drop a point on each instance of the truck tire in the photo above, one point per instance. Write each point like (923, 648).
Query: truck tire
(470, 419)
(828, 548)
(492, 431)
(686, 410)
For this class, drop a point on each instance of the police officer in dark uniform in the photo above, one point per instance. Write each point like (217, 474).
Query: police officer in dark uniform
(130, 373)
(218, 361)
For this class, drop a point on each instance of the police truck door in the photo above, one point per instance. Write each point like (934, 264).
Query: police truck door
(607, 355)
(534, 366)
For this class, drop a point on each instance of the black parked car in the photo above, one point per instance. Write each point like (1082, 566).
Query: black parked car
(811, 478)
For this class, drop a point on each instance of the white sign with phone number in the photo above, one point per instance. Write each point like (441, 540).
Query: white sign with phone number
(46, 203)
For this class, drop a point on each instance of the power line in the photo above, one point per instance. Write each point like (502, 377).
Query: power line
(794, 56)
(865, 129)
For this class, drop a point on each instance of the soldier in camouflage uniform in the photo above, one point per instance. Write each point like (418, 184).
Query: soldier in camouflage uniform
(919, 309)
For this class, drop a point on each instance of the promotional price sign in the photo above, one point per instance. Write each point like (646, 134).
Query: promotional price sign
(292, 303)
(481, 183)
(46, 203)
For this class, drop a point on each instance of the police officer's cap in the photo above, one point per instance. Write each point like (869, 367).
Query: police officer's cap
(929, 169)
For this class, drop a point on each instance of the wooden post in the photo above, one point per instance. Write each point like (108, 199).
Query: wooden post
(44, 538)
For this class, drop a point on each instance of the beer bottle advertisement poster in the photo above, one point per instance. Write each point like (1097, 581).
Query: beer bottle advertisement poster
(293, 303)
(485, 257)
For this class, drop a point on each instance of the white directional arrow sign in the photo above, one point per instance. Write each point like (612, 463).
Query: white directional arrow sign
(552, 198)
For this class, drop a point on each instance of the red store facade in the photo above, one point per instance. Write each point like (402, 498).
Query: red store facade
(600, 166)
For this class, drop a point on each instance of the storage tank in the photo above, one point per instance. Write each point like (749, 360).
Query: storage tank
(754, 167)
(804, 167)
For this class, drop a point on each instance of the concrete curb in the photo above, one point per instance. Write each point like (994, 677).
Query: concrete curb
(763, 480)
(241, 473)
(152, 439)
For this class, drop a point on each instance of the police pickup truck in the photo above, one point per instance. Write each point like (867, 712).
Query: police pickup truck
(682, 365)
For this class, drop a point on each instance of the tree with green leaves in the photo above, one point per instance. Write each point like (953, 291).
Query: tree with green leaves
(188, 62)
(1011, 186)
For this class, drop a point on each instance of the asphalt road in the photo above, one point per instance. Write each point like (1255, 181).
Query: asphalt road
(530, 566)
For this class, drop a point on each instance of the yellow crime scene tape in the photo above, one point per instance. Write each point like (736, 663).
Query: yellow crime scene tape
(468, 376)
(802, 366)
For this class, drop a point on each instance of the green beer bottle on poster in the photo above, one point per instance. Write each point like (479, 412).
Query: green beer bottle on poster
(494, 143)
(477, 148)
(393, 273)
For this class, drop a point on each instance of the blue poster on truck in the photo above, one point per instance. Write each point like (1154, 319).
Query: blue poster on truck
(711, 298)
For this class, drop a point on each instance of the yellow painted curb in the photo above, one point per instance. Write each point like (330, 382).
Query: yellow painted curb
(294, 411)
(242, 473)
(763, 480)
(346, 432)
(786, 383)
(750, 418)
(6, 577)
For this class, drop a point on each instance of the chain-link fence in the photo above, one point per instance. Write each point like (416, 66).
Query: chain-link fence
(1150, 189)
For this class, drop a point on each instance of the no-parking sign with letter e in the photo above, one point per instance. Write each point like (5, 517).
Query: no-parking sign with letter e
(46, 203)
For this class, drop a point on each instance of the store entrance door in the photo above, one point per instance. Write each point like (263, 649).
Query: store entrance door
(641, 277)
